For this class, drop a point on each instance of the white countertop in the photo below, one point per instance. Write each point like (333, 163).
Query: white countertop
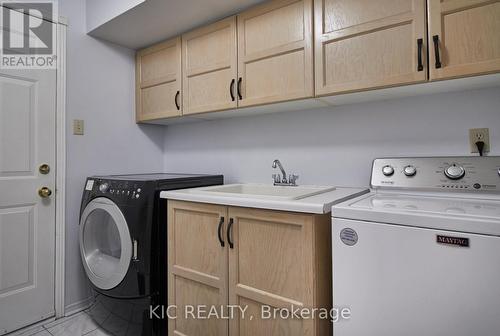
(318, 204)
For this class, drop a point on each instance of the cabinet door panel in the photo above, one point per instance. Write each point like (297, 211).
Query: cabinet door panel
(268, 327)
(275, 52)
(197, 266)
(209, 66)
(193, 293)
(159, 101)
(365, 44)
(209, 92)
(159, 66)
(271, 264)
(392, 44)
(265, 29)
(158, 79)
(469, 40)
(273, 74)
(342, 14)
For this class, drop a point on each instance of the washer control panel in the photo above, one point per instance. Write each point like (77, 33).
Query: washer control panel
(117, 188)
(471, 174)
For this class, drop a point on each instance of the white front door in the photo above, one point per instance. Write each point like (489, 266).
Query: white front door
(27, 219)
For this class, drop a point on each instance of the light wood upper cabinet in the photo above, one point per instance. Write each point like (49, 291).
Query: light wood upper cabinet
(266, 54)
(277, 261)
(209, 67)
(197, 266)
(365, 44)
(467, 34)
(275, 60)
(158, 81)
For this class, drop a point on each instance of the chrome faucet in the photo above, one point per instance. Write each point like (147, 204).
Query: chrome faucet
(277, 163)
(279, 181)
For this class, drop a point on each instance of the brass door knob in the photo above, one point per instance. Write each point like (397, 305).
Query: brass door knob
(44, 192)
(44, 169)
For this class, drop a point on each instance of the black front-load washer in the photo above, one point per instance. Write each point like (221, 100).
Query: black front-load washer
(123, 237)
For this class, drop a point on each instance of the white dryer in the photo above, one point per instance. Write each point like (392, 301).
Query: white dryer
(420, 254)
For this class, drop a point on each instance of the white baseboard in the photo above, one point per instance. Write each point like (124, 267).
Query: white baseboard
(78, 306)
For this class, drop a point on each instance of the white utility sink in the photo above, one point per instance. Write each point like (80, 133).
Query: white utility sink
(265, 191)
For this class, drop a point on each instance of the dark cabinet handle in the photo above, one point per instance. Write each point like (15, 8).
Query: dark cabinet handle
(219, 231)
(420, 44)
(176, 100)
(231, 89)
(229, 227)
(435, 38)
(239, 88)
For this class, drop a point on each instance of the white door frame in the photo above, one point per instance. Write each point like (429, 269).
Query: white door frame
(60, 248)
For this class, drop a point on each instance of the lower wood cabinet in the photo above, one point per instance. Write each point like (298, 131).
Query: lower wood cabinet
(260, 260)
(197, 266)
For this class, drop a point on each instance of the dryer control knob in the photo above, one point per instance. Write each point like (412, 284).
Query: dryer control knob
(498, 171)
(410, 170)
(387, 170)
(103, 187)
(454, 172)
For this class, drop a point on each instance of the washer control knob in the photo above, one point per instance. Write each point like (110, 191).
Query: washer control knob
(387, 170)
(498, 171)
(410, 170)
(454, 172)
(103, 187)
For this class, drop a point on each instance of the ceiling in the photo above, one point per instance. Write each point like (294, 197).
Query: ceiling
(156, 20)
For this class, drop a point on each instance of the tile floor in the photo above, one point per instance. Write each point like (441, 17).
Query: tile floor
(104, 317)
(75, 325)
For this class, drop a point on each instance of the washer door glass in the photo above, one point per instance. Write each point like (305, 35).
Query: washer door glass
(105, 244)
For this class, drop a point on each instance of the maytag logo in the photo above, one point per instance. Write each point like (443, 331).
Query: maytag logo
(453, 241)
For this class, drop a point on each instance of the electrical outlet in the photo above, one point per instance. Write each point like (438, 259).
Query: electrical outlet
(78, 127)
(479, 134)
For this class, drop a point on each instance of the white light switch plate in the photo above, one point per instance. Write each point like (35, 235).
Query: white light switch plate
(78, 126)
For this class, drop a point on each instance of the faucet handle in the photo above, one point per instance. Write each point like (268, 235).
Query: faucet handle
(276, 178)
(293, 178)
